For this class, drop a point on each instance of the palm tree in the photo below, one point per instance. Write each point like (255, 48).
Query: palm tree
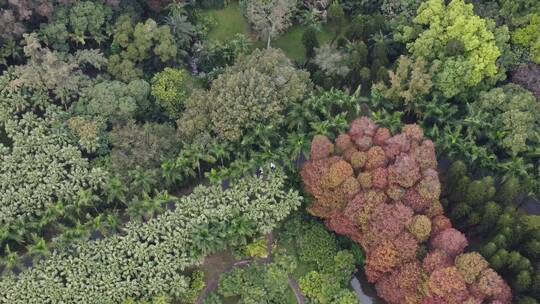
(150, 206)
(142, 179)
(162, 198)
(73, 234)
(219, 152)
(11, 260)
(115, 190)
(213, 175)
(8, 234)
(38, 248)
(50, 216)
(97, 223)
(322, 127)
(180, 26)
(85, 199)
(298, 144)
(113, 221)
(169, 172)
(199, 155)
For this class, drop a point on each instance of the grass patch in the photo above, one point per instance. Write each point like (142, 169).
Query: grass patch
(291, 41)
(229, 22)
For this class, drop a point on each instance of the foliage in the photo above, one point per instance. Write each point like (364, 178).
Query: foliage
(114, 101)
(509, 115)
(181, 28)
(134, 44)
(310, 42)
(320, 261)
(203, 222)
(171, 87)
(331, 60)
(529, 37)
(508, 241)
(321, 289)
(269, 18)
(409, 84)
(257, 249)
(259, 283)
(518, 12)
(458, 45)
(255, 90)
(46, 74)
(79, 23)
(377, 214)
(42, 167)
(90, 134)
(141, 145)
(215, 55)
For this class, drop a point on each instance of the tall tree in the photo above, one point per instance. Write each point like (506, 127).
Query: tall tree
(269, 18)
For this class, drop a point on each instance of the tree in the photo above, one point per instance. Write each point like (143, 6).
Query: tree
(529, 37)
(182, 30)
(269, 18)
(458, 45)
(134, 44)
(171, 87)
(509, 113)
(332, 61)
(336, 15)
(81, 22)
(42, 150)
(259, 203)
(52, 77)
(142, 145)
(256, 90)
(310, 42)
(409, 85)
(383, 192)
(114, 102)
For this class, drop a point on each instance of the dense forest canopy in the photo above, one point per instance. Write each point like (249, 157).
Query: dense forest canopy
(269, 151)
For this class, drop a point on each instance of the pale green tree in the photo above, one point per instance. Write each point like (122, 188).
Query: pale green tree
(256, 90)
(269, 18)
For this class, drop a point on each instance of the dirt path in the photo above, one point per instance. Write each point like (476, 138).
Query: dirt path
(220, 263)
(300, 299)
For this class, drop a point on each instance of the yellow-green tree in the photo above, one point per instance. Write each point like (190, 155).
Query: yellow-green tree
(458, 44)
(529, 37)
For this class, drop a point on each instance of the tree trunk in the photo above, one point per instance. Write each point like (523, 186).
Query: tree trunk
(270, 34)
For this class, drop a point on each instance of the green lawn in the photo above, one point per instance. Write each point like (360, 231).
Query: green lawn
(230, 21)
(291, 41)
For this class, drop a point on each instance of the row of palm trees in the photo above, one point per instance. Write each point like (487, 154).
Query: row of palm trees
(88, 216)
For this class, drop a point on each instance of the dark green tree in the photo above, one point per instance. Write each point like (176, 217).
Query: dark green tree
(310, 42)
